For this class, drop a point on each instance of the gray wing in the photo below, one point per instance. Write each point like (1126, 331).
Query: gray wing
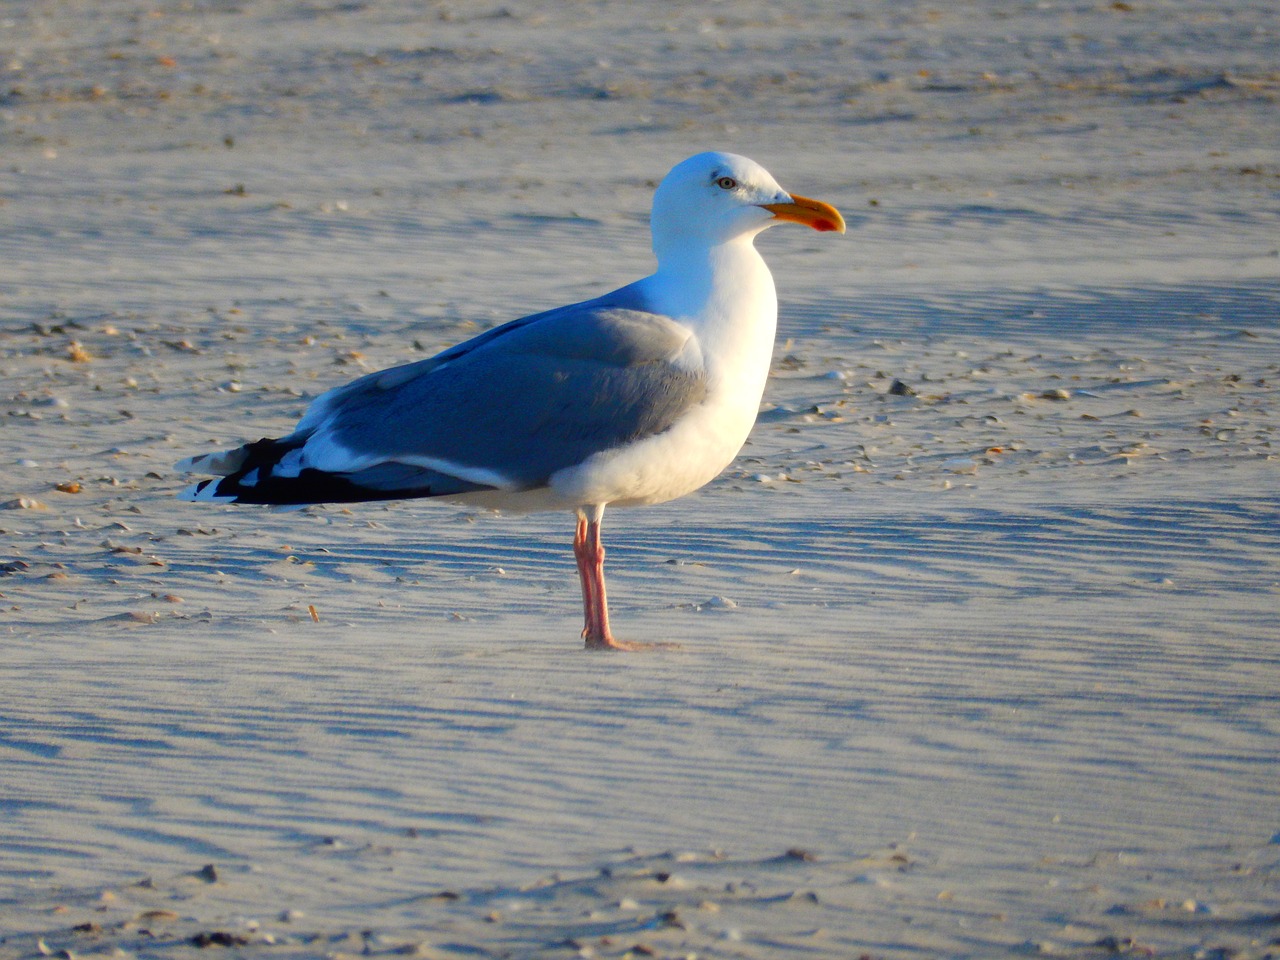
(520, 402)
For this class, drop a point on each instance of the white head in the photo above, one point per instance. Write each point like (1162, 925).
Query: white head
(713, 198)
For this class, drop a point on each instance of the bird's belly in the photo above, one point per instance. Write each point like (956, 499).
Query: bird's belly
(667, 465)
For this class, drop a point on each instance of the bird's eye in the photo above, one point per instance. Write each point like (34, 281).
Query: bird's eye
(726, 183)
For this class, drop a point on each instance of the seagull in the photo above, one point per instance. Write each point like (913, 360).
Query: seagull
(636, 397)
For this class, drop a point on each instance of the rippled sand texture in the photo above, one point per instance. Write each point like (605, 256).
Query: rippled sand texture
(978, 636)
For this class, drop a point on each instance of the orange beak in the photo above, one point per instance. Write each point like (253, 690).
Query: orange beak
(814, 213)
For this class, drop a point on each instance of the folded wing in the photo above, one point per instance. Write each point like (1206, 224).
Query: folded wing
(503, 411)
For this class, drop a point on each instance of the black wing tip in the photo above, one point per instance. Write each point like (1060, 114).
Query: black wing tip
(309, 488)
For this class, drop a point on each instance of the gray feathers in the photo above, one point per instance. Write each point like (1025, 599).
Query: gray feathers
(517, 403)
(540, 397)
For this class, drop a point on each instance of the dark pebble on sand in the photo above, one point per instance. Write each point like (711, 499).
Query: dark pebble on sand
(218, 938)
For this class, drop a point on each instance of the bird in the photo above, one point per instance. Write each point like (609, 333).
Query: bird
(635, 397)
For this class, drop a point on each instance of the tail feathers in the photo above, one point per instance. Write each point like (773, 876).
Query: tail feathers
(220, 464)
(264, 472)
(206, 491)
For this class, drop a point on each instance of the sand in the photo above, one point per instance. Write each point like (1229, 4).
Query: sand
(981, 664)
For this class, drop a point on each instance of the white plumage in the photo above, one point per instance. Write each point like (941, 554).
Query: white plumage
(636, 397)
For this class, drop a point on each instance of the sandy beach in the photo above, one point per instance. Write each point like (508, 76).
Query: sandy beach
(979, 638)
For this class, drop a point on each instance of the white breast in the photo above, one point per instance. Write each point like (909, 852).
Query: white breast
(728, 302)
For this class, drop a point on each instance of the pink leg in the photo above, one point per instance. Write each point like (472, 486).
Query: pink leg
(584, 575)
(599, 635)
(588, 551)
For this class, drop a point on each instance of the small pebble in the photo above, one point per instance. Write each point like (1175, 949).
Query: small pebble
(154, 915)
(873, 880)
(219, 938)
(960, 465)
(23, 503)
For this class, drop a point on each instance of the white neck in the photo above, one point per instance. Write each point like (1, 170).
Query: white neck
(725, 294)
